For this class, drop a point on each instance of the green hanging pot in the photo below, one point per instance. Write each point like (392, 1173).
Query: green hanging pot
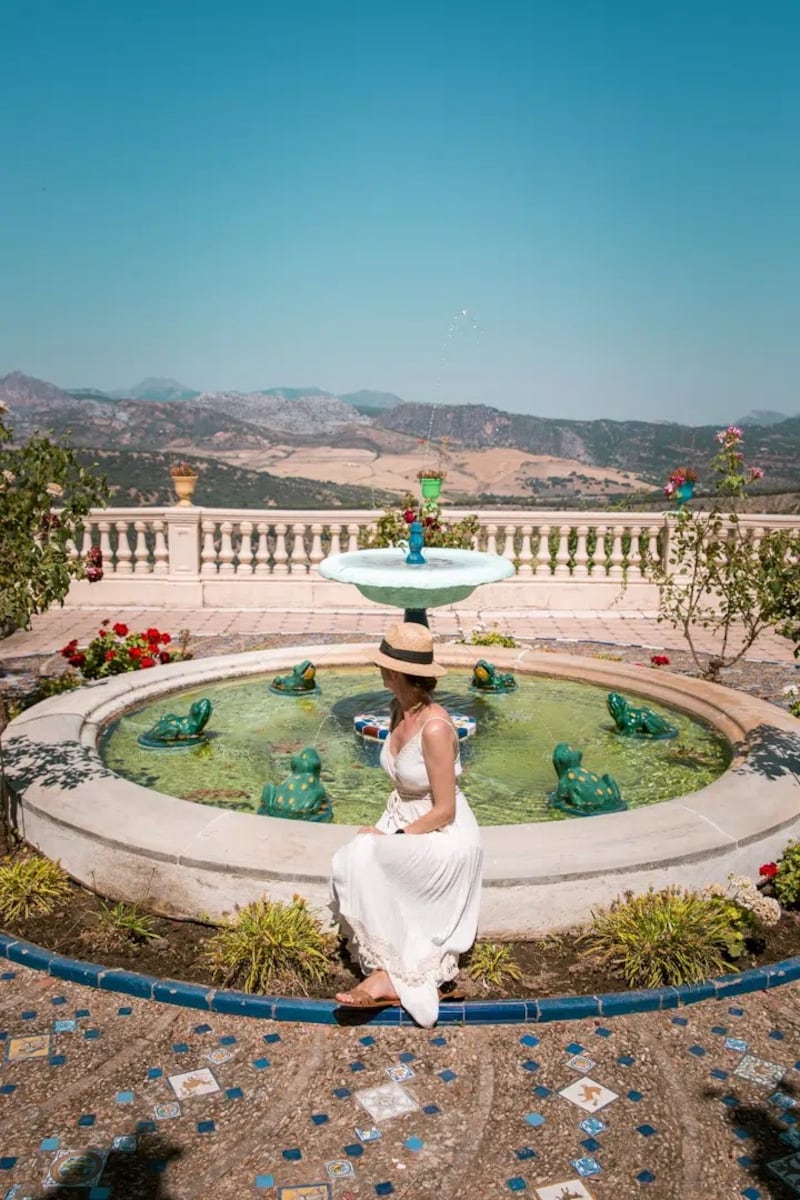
(430, 486)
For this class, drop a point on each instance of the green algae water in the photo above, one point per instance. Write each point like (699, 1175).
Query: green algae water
(508, 773)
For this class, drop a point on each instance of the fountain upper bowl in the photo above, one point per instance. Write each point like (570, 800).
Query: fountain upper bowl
(446, 577)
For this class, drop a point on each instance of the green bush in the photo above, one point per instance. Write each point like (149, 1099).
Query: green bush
(271, 946)
(394, 526)
(787, 880)
(492, 963)
(31, 887)
(667, 937)
(492, 639)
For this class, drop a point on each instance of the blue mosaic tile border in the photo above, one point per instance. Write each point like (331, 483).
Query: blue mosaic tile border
(323, 1012)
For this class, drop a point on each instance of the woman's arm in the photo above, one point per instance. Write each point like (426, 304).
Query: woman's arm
(438, 751)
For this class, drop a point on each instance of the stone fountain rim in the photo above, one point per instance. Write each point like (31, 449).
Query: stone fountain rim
(115, 813)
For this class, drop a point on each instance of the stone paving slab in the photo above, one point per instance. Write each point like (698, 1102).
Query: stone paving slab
(155, 1101)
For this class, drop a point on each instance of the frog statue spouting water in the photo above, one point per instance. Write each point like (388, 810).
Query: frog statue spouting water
(302, 681)
(174, 732)
(638, 722)
(487, 678)
(582, 793)
(301, 796)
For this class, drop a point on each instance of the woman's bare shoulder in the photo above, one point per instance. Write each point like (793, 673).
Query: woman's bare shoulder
(437, 721)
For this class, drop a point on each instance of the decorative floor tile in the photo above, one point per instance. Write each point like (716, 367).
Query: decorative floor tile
(20, 1049)
(572, 1189)
(305, 1191)
(368, 1135)
(760, 1070)
(734, 1043)
(167, 1111)
(581, 1062)
(399, 1074)
(387, 1101)
(68, 1025)
(76, 1168)
(588, 1094)
(126, 1142)
(586, 1165)
(194, 1083)
(593, 1126)
(218, 1056)
(788, 1170)
(339, 1168)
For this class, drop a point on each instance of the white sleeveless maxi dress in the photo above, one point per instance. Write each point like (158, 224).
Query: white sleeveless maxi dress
(410, 905)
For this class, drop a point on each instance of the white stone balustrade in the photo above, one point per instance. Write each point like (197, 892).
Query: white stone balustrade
(268, 558)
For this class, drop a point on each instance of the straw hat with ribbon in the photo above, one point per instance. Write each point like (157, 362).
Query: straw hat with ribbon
(408, 647)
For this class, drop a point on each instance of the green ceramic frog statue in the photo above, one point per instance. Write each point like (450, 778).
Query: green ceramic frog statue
(582, 793)
(174, 732)
(301, 682)
(638, 722)
(486, 678)
(301, 796)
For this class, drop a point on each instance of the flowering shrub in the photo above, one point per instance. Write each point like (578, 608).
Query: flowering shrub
(678, 477)
(786, 879)
(36, 563)
(393, 527)
(730, 464)
(117, 649)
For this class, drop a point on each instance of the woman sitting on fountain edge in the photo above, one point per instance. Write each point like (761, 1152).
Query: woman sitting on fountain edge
(409, 909)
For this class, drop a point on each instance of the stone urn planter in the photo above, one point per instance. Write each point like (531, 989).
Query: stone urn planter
(184, 483)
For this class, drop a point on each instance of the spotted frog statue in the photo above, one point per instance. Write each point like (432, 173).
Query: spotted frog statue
(582, 793)
(486, 678)
(172, 730)
(301, 796)
(638, 722)
(301, 682)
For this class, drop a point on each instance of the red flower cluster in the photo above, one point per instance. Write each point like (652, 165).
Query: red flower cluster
(117, 649)
(768, 871)
(659, 660)
(93, 564)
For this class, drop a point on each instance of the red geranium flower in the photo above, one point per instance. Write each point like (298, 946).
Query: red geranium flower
(409, 515)
(77, 660)
(106, 622)
(153, 635)
(135, 652)
(147, 661)
(769, 870)
(659, 660)
(166, 639)
(120, 630)
(164, 656)
(69, 648)
(110, 654)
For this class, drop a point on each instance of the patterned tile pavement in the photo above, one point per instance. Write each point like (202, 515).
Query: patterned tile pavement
(110, 1098)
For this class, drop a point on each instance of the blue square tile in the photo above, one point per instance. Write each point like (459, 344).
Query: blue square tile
(58, 1000)
(776, 1035)
(49, 1143)
(125, 1011)
(530, 1065)
(357, 1066)
(92, 1035)
(447, 1076)
(270, 1038)
(646, 1130)
(57, 1060)
(528, 1039)
(100, 1192)
(730, 1101)
(154, 1073)
(7, 1164)
(202, 1029)
(626, 1060)
(145, 1126)
(227, 1040)
(516, 1184)
(744, 1135)
(430, 1110)
(384, 1189)
(7, 1089)
(680, 1021)
(438, 1041)
(406, 1056)
(205, 1126)
(341, 1093)
(603, 1032)
(68, 1025)
(591, 1144)
(124, 1097)
(720, 1030)
(260, 1064)
(697, 1051)
(534, 1119)
(413, 1143)
(29, 1014)
(751, 1193)
(736, 1012)
(87, 1120)
(180, 1048)
(525, 1152)
(745, 1161)
(635, 1096)
(645, 1177)
(366, 1041)
(292, 1155)
(542, 1092)
(319, 1118)
(354, 1150)
(575, 1048)
(81, 1012)
(718, 1073)
(234, 1093)
(8, 975)
(586, 1165)
(264, 1181)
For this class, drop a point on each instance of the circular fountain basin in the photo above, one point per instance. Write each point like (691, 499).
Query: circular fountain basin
(445, 577)
(133, 843)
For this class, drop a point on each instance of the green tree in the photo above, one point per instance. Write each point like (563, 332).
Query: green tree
(44, 494)
(717, 577)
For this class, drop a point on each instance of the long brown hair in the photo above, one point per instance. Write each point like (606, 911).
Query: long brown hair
(423, 686)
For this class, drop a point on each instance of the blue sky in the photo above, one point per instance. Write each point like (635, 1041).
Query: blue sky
(247, 193)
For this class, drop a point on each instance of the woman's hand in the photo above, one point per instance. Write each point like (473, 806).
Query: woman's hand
(371, 829)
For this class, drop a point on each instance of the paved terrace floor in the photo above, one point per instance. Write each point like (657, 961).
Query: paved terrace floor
(171, 1104)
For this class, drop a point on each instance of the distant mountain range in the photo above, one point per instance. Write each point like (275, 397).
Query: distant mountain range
(163, 416)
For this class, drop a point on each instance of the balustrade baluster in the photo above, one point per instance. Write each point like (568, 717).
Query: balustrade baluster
(508, 547)
(299, 558)
(105, 545)
(653, 555)
(525, 555)
(226, 548)
(208, 555)
(124, 554)
(491, 539)
(160, 551)
(262, 551)
(580, 569)
(562, 553)
(245, 565)
(352, 537)
(336, 546)
(316, 553)
(280, 555)
(617, 558)
(543, 552)
(141, 554)
(634, 570)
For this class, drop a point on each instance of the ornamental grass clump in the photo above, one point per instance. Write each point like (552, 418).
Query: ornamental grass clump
(271, 946)
(493, 964)
(31, 887)
(119, 925)
(662, 938)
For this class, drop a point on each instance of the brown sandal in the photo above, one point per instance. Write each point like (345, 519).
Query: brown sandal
(360, 998)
